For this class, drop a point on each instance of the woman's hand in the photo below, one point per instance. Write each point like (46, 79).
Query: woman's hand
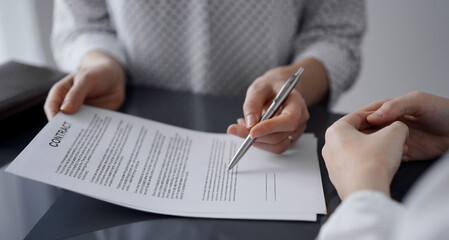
(282, 130)
(100, 81)
(278, 133)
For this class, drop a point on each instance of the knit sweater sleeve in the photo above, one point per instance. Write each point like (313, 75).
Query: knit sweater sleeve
(82, 26)
(331, 32)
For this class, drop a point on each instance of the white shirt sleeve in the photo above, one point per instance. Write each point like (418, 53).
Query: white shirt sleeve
(363, 215)
(372, 215)
(427, 215)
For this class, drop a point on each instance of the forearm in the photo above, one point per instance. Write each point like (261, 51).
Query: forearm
(314, 82)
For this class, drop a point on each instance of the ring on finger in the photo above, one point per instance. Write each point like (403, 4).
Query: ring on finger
(290, 138)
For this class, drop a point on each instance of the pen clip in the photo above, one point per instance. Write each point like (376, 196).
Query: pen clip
(286, 87)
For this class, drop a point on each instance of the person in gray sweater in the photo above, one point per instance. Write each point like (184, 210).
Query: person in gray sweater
(221, 48)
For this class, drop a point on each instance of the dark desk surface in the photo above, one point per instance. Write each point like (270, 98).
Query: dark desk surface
(80, 217)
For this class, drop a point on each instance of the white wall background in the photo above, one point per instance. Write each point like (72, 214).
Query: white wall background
(406, 48)
(25, 27)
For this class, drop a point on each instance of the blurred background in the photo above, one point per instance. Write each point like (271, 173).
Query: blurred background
(406, 48)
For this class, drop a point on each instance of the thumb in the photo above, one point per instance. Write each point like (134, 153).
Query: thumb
(394, 135)
(75, 96)
(256, 96)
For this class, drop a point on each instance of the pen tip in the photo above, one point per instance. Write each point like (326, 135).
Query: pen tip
(230, 166)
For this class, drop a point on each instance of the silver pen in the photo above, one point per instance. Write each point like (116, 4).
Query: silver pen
(288, 86)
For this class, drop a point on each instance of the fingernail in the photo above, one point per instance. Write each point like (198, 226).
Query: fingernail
(240, 121)
(250, 121)
(255, 134)
(377, 114)
(65, 105)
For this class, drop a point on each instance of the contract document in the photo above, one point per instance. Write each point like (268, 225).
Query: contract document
(155, 167)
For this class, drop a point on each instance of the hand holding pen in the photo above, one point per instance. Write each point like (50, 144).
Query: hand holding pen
(275, 134)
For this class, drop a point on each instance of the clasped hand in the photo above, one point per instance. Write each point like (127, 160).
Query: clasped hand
(363, 150)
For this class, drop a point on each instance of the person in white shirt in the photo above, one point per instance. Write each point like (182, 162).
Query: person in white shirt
(363, 150)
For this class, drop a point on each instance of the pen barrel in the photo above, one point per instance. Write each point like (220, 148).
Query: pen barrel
(283, 93)
(270, 111)
(245, 146)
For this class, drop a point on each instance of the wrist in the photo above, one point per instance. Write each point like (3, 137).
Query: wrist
(367, 181)
(314, 84)
(95, 58)
(105, 62)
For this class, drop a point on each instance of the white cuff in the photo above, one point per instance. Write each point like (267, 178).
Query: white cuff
(365, 214)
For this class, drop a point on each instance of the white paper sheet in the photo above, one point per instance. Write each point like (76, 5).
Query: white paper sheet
(155, 167)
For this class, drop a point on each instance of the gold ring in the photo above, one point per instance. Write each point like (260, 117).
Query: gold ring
(290, 138)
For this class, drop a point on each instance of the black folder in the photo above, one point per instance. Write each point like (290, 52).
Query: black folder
(24, 86)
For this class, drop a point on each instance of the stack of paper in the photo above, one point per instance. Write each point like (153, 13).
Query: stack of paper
(155, 167)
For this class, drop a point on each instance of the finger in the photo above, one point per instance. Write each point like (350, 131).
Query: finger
(274, 138)
(281, 147)
(356, 120)
(278, 137)
(406, 148)
(238, 130)
(56, 96)
(293, 116)
(405, 157)
(375, 105)
(395, 108)
(76, 95)
(256, 97)
(241, 121)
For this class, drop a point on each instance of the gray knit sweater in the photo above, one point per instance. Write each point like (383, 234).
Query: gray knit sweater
(215, 47)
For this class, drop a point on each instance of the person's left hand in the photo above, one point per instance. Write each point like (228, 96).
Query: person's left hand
(280, 132)
(358, 158)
